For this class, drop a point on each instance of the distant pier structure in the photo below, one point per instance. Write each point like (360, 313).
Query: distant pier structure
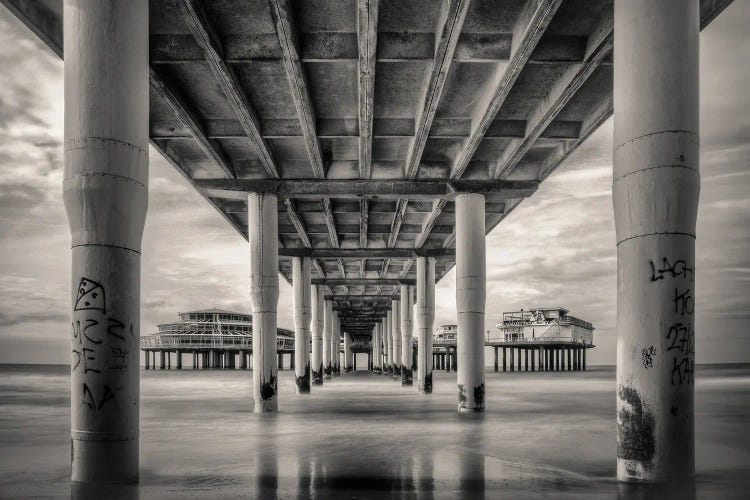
(216, 338)
(543, 339)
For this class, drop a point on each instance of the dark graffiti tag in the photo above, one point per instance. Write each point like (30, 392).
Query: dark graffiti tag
(681, 337)
(683, 302)
(91, 326)
(647, 357)
(679, 269)
(683, 370)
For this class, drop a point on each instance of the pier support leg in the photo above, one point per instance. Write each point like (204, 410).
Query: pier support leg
(335, 344)
(470, 299)
(526, 359)
(656, 187)
(387, 324)
(512, 359)
(162, 361)
(263, 234)
(302, 305)
(396, 333)
(316, 356)
(425, 318)
(178, 355)
(105, 194)
(327, 336)
(243, 360)
(505, 355)
(407, 338)
(347, 352)
(146, 359)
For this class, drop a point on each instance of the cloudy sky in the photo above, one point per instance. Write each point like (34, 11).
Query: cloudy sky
(557, 248)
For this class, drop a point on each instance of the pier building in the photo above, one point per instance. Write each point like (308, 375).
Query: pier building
(543, 339)
(215, 338)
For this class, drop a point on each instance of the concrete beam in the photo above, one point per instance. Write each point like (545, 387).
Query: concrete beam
(366, 253)
(361, 281)
(199, 25)
(529, 29)
(385, 189)
(367, 38)
(598, 46)
(281, 12)
(364, 215)
(189, 119)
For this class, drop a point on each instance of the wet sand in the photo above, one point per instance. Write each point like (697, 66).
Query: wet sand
(544, 435)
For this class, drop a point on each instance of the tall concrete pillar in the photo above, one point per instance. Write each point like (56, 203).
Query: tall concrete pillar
(656, 185)
(347, 352)
(396, 333)
(425, 318)
(327, 336)
(389, 338)
(375, 345)
(263, 234)
(302, 305)
(336, 345)
(105, 193)
(146, 359)
(318, 312)
(470, 299)
(407, 339)
(178, 354)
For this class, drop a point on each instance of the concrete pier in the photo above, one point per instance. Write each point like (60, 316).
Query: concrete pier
(327, 336)
(335, 344)
(263, 234)
(470, 299)
(388, 327)
(396, 334)
(105, 183)
(656, 185)
(302, 305)
(347, 353)
(425, 319)
(316, 355)
(407, 339)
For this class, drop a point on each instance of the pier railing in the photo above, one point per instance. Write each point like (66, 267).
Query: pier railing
(187, 341)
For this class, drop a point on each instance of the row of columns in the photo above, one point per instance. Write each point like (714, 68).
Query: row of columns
(541, 358)
(655, 194)
(211, 359)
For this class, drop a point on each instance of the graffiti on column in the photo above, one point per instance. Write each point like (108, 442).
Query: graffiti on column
(90, 326)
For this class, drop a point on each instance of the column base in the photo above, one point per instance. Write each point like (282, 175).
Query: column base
(109, 459)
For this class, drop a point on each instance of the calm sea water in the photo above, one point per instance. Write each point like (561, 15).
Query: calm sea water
(544, 435)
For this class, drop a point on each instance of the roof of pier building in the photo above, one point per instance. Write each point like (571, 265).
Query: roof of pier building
(366, 117)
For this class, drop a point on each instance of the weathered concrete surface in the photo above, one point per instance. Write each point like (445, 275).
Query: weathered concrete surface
(470, 299)
(396, 334)
(656, 184)
(302, 305)
(327, 336)
(105, 183)
(316, 355)
(264, 296)
(425, 318)
(407, 339)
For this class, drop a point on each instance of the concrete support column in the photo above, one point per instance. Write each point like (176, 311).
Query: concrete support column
(470, 299)
(280, 360)
(335, 344)
(407, 339)
(146, 359)
(512, 359)
(302, 306)
(105, 192)
(526, 360)
(178, 354)
(656, 186)
(162, 361)
(318, 312)
(347, 353)
(263, 234)
(243, 360)
(389, 340)
(425, 319)
(327, 336)
(396, 333)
